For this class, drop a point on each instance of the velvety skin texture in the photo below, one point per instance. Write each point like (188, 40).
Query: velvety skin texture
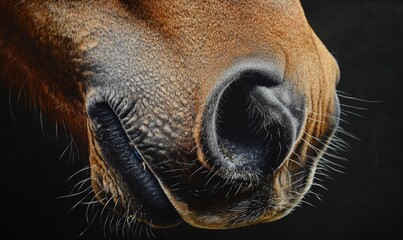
(210, 112)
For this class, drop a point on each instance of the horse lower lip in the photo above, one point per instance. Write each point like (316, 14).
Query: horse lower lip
(120, 155)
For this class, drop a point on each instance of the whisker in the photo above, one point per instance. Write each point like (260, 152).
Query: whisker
(348, 96)
(79, 171)
(353, 107)
(88, 226)
(353, 113)
(80, 184)
(341, 130)
(73, 194)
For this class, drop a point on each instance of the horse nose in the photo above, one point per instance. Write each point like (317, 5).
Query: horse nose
(252, 120)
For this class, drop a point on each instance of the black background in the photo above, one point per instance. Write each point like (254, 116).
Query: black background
(366, 202)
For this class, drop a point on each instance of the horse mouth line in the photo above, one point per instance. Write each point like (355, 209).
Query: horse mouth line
(122, 155)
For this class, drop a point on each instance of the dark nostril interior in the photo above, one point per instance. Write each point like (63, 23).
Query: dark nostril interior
(249, 134)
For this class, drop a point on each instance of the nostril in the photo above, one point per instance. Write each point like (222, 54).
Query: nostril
(249, 132)
(250, 122)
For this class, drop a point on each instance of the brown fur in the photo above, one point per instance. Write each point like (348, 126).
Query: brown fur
(47, 48)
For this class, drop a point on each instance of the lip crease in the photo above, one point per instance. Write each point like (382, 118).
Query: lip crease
(120, 154)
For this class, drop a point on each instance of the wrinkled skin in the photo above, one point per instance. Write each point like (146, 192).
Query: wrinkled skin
(147, 90)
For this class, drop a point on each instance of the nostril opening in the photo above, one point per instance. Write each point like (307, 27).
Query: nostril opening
(249, 136)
